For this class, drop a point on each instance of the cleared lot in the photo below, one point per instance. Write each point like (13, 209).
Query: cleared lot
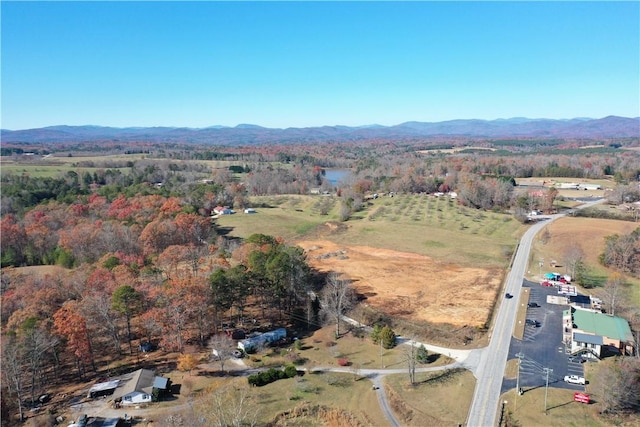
(411, 286)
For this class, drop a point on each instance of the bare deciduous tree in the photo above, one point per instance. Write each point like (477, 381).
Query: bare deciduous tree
(620, 385)
(409, 354)
(12, 371)
(573, 258)
(222, 347)
(228, 406)
(336, 299)
(613, 292)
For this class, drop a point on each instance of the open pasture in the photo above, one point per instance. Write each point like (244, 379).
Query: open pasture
(416, 257)
(55, 166)
(434, 226)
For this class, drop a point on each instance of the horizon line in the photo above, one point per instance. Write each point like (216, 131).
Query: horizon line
(315, 126)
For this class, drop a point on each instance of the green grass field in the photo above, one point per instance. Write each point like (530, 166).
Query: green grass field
(437, 227)
(44, 167)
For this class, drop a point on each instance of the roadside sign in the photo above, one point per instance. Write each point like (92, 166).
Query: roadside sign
(581, 397)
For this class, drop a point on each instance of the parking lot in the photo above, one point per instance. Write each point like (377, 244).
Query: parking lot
(541, 347)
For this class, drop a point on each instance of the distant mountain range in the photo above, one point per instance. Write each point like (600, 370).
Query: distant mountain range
(608, 127)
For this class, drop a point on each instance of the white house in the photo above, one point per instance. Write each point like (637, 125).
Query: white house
(137, 387)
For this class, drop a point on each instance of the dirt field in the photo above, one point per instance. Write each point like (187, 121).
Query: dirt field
(588, 233)
(410, 285)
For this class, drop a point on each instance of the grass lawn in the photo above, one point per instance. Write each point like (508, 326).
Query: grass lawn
(437, 398)
(323, 350)
(521, 315)
(345, 398)
(331, 392)
(528, 409)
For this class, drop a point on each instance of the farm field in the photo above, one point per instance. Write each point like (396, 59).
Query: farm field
(420, 224)
(415, 257)
(58, 165)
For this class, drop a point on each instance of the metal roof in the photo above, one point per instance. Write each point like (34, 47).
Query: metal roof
(602, 324)
(160, 383)
(588, 339)
(107, 385)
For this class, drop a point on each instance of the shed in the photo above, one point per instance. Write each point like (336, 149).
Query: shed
(103, 389)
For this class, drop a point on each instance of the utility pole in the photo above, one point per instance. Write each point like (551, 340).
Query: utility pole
(520, 356)
(540, 264)
(547, 371)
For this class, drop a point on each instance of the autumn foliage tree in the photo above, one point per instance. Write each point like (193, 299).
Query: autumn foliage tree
(72, 327)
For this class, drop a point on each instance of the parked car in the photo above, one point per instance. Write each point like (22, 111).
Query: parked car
(533, 305)
(546, 283)
(532, 323)
(574, 379)
(577, 359)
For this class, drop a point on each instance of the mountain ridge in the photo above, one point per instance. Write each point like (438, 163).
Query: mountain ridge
(606, 127)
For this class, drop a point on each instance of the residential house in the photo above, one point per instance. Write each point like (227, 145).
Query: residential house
(138, 387)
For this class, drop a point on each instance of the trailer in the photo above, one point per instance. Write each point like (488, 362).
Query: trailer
(567, 290)
(252, 344)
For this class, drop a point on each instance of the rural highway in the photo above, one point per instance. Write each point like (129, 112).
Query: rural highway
(493, 359)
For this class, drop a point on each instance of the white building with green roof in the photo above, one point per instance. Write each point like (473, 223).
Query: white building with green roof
(595, 333)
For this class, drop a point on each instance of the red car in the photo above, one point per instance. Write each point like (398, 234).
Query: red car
(546, 283)
(563, 280)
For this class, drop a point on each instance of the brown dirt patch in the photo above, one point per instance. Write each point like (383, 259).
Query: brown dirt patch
(39, 271)
(410, 286)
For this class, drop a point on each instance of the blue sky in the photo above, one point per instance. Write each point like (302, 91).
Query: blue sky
(298, 64)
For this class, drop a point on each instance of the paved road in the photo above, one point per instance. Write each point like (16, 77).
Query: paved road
(493, 359)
